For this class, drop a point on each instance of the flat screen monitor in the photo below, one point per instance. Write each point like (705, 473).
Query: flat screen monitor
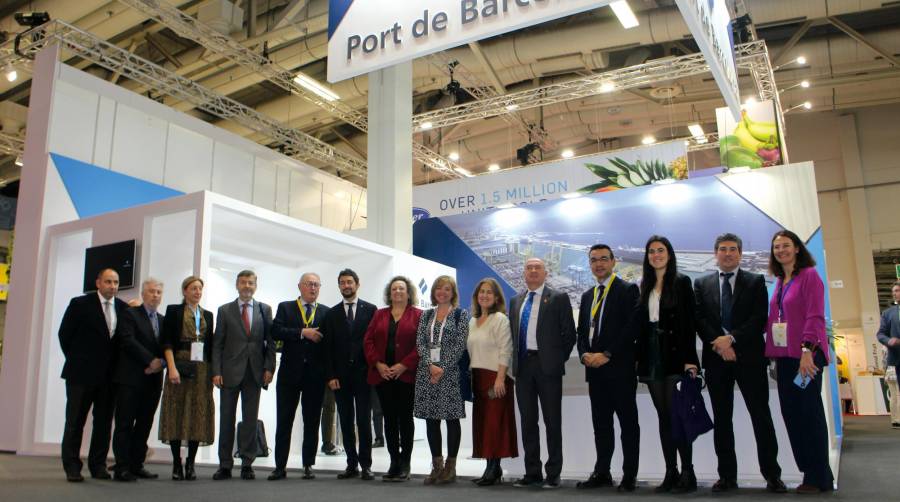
(118, 256)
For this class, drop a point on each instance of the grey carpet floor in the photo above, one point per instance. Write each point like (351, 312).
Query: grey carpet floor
(868, 472)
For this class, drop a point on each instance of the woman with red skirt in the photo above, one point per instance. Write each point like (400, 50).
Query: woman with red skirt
(490, 350)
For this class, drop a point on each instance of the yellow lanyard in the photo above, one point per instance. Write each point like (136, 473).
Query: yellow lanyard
(595, 306)
(312, 316)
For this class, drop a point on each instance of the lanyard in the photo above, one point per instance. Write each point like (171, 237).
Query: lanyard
(595, 305)
(441, 332)
(782, 292)
(197, 322)
(312, 315)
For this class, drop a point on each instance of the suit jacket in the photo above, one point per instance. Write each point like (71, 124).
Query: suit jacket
(138, 347)
(170, 337)
(85, 340)
(555, 330)
(890, 328)
(344, 354)
(618, 330)
(234, 349)
(375, 343)
(298, 353)
(748, 316)
(679, 338)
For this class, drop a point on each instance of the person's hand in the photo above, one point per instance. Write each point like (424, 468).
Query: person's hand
(333, 384)
(397, 370)
(499, 387)
(692, 369)
(807, 365)
(311, 334)
(217, 381)
(721, 343)
(893, 342)
(436, 373)
(174, 376)
(728, 354)
(267, 377)
(600, 359)
(155, 366)
(383, 370)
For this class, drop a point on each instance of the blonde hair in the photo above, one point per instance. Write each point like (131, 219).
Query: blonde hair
(189, 280)
(442, 281)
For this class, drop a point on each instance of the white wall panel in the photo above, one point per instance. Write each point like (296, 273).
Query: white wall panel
(306, 198)
(105, 132)
(189, 159)
(139, 144)
(283, 190)
(72, 122)
(265, 176)
(232, 172)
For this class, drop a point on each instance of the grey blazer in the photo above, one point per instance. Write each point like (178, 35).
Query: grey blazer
(555, 331)
(233, 349)
(890, 328)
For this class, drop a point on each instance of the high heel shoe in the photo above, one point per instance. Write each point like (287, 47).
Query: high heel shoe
(493, 475)
(669, 482)
(177, 470)
(189, 473)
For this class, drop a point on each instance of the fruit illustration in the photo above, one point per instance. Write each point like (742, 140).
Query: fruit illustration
(767, 132)
(622, 174)
(739, 156)
(746, 138)
(753, 144)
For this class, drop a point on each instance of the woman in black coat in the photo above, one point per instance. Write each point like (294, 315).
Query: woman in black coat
(666, 348)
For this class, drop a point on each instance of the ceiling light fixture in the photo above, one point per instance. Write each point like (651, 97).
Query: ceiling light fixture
(607, 87)
(315, 87)
(494, 167)
(806, 104)
(648, 140)
(465, 172)
(750, 101)
(624, 13)
(568, 153)
(19, 161)
(801, 60)
(696, 130)
(511, 107)
(11, 73)
(426, 126)
(454, 156)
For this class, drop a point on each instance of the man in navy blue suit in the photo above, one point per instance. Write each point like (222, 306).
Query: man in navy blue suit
(889, 336)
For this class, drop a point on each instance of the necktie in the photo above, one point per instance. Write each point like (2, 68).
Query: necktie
(350, 313)
(523, 326)
(726, 300)
(245, 316)
(108, 316)
(596, 319)
(154, 322)
(308, 309)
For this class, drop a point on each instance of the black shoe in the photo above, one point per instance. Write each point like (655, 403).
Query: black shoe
(596, 480)
(403, 473)
(551, 482)
(277, 474)
(392, 472)
(177, 470)
(776, 485)
(144, 474)
(628, 484)
(378, 443)
(669, 481)
(74, 477)
(528, 482)
(247, 473)
(100, 474)
(687, 483)
(222, 474)
(329, 449)
(308, 472)
(350, 472)
(366, 474)
(189, 474)
(124, 476)
(493, 474)
(724, 485)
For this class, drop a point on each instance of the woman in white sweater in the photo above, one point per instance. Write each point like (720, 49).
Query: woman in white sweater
(490, 350)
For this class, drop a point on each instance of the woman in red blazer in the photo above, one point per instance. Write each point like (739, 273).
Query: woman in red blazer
(390, 346)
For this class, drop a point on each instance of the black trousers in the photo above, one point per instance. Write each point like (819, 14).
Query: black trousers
(80, 398)
(377, 415)
(135, 408)
(248, 391)
(353, 401)
(753, 381)
(804, 419)
(615, 396)
(662, 392)
(533, 387)
(397, 405)
(308, 393)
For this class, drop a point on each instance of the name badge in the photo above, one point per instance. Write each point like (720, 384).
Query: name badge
(436, 355)
(779, 334)
(197, 351)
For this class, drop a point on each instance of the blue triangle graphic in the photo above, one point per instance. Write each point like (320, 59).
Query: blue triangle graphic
(337, 9)
(95, 190)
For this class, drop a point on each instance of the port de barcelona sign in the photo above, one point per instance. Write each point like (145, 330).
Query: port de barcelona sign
(368, 35)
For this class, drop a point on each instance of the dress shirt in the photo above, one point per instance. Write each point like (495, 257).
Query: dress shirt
(249, 311)
(350, 301)
(531, 332)
(653, 306)
(153, 315)
(804, 313)
(113, 320)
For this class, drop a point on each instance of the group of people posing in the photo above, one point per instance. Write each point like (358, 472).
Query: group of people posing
(425, 364)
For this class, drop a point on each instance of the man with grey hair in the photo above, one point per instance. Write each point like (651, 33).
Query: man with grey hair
(301, 377)
(138, 377)
(243, 362)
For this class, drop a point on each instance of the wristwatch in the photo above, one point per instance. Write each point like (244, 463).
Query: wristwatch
(808, 347)
(805, 349)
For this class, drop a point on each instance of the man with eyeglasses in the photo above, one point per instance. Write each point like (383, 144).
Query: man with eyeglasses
(301, 375)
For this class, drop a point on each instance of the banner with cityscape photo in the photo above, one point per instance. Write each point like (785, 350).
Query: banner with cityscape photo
(606, 172)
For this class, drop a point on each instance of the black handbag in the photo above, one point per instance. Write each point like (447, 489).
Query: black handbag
(262, 445)
(186, 369)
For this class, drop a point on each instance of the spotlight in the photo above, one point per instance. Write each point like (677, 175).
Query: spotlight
(568, 153)
(494, 167)
(750, 101)
(454, 156)
(426, 126)
(11, 74)
(32, 19)
(607, 87)
(523, 154)
(648, 140)
(804, 84)
(512, 107)
(801, 60)
(807, 105)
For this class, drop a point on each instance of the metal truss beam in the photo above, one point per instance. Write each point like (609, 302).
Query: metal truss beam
(188, 27)
(11, 145)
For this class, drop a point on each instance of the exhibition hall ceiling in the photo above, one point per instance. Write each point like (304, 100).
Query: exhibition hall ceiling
(850, 49)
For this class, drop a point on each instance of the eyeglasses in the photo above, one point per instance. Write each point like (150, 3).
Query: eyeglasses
(312, 284)
(602, 259)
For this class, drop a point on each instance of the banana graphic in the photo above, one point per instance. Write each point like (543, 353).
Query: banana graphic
(747, 139)
(767, 132)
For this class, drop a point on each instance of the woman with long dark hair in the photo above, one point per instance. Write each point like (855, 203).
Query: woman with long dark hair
(796, 339)
(666, 348)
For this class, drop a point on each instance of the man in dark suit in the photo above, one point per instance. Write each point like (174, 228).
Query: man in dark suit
(344, 328)
(889, 336)
(243, 362)
(301, 377)
(732, 307)
(138, 379)
(87, 338)
(606, 336)
(543, 333)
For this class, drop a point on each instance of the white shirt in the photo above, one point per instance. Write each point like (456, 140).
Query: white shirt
(113, 320)
(531, 332)
(347, 303)
(249, 310)
(653, 306)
